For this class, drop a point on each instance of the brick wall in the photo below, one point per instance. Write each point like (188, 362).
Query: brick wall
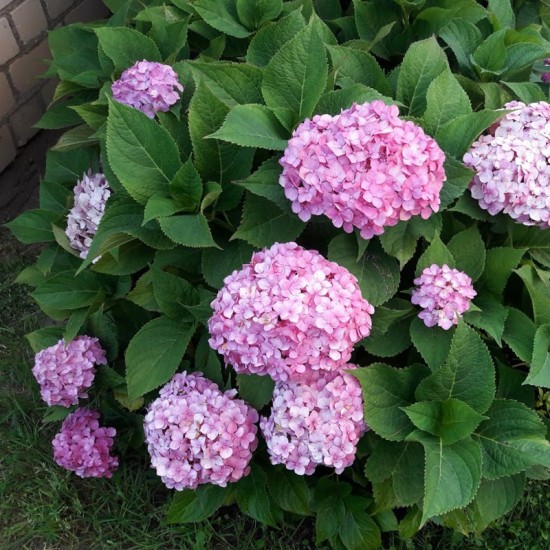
(23, 54)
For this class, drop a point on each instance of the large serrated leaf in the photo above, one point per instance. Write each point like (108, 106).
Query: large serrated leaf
(219, 263)
(468, 251)
(222, 15)
(539, 373)
(433, 343)
(538, 291)
(190, 230)
(499, 264)
(190, 506)
(437, 253)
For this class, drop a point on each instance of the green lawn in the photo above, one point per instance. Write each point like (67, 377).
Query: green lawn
(45, 507)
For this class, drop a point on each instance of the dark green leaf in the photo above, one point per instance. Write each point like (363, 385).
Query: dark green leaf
(186, 187)
(289, 491)
(221, 14)
(190, 230)
(468, 251)
(191, 506)
(34, 226)
(360, 532)
(253, 13)
(219, 263)
(539, 373)
(498, 267)
(433, 343)
(539, 292)
(255, 390)
(172, 293)
(458, 179)
(519, 333)
(437, 253)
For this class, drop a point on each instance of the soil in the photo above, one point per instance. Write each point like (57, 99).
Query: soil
(20, 181)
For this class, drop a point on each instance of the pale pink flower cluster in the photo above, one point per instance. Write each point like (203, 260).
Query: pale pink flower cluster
(289, 313)
(148, 86)
(90, 196)
(444, 294)
(512, 165)
(66, 371)
(315, 423)
(83, 447)
(364, 168)
(196, 434)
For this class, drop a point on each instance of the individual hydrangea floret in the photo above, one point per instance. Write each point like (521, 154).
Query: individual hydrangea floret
(90, 196)
(444, 294)
(289, 313)
(83, 447)
(364, 168)
(319, 422)
(66, 371)
(197, 434)
(148, 86)
(512, 165)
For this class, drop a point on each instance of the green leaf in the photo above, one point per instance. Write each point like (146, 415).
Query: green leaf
(499, 265)
(54, 197)
(221, 14)
(491, 318)
(219, 263)
(490, 55)
(154, 354)
(271, 38)
(253, 126)
(539, 373)
(44, 338)
(400, 242)
(74, 323)
(158, 206)
(512, 439)
(190, 506)
(453, 474)
(141, 153)
(528, 92)
(377, 273)
(186, 187)
(391, 343)
(456, 136)
(423, 62)
(445, 100)
(502, 9)
(451, 420)
(468, 374)
(125, 46)
(329, 519)
(468, 251)
(458, 179)
(538, 291)
(253, 13)
(436, 253)
(385, 391)
(510, 385)
(359, 67)
(34, 226)
(255, 390)
(233, 83)
(295, 77)
(333, 101)
(463, 37)
(289, 491)
(433, 343)
(66, 291)
(360, 532)
(263, 223)
(519, 333)
(189, 230)
(172, 293)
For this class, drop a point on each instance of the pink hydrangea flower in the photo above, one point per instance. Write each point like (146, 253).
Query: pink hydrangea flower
(197, 434)
(90, 196)
(319, 422)
(83, 447)
(512, 165)
(288, 313)
(148, 86)
(364, 168)
(65, 372)
(444, 294)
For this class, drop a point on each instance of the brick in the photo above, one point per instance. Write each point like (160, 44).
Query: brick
(7, 100)
(25, 70)
(8, 44)
(88, 10)
(23, 120)
(57, 7)
(30, 20)
(4, 3)
(7, 147)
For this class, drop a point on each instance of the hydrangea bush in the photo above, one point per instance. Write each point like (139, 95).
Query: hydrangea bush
(296, 255)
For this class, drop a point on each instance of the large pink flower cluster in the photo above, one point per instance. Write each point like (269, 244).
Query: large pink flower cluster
(84, 447)
(148, 86)
(90, 196)
(512, 165)
(319, 422)
(65, 372)
(363, 168)
(197, 434)
(290, 314)
(444, 294)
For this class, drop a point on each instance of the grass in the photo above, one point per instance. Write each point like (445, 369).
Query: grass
(45, 507)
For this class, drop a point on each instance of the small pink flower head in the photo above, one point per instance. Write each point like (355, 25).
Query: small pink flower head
(318, 422)
(444, 294)
(148, 86)
(65, 372)
(83, 447)
(90, 196)
(545, 77)
(364, 168)
(289, 313)
(196, 434)
(512, 165)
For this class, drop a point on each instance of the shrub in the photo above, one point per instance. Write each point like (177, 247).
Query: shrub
(260, 187)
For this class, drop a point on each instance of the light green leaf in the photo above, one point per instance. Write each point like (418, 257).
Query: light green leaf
(221, 14)
(158, 206)
(333, 101)
(433, 343)
(490, 55)
(190, 230)
(44, 337)
(34, 226)
(468, 374)
(539, 373)
(154, 354)
(503, 12)
(385, 391)
(253, 126)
